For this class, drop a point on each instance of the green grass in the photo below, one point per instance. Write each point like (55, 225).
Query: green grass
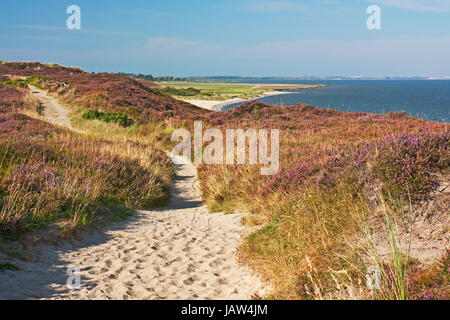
(210, 91)
(188, 92)
(109, 117)
(33, 80)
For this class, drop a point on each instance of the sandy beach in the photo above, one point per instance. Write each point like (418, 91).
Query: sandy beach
(216, 105)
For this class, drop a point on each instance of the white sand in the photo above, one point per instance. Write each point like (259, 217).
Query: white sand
(177, 252)
(217, 104)
(212, 104)
(54, 112)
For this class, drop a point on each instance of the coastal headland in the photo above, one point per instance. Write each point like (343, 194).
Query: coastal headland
(213, 96)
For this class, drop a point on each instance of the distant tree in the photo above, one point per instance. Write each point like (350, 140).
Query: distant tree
(149, 77)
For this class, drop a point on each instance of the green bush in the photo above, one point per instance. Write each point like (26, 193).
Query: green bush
(118, 118)
(33, 80)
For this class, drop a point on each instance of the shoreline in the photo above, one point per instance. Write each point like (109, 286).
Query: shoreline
(267, 94)
(217, 105)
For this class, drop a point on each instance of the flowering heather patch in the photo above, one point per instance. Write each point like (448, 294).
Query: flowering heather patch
(140, 100)
(49, 174)
(328, 161)
(284, 182)
(316, 145)
(11, 98)
(14, 124)
(34, 69)
(117, 93)
(405, 163)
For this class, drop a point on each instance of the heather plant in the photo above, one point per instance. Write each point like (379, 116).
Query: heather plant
(35, 69)
(51, 175)
(331, 164)
(117, 93)
(141, 100)
(61, 179)
(406, 163)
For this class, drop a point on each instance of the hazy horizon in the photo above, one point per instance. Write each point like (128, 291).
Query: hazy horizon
(312, 77)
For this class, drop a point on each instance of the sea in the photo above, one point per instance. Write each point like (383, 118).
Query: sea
(426, 99)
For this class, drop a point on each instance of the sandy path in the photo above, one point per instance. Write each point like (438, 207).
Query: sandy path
(177, 252)
(52, 109)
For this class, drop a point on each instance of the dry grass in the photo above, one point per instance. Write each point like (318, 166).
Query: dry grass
(313, 209)
(50, 174)
(337, 171)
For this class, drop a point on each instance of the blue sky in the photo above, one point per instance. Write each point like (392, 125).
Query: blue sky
(232, 37)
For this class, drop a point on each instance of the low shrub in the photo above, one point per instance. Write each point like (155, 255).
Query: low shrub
(32, 80)
(108, 117)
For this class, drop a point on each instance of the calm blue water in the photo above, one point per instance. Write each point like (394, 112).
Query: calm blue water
(427, 99)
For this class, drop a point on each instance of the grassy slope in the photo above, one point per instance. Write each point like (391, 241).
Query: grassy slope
(336, 169)
(49, 174)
